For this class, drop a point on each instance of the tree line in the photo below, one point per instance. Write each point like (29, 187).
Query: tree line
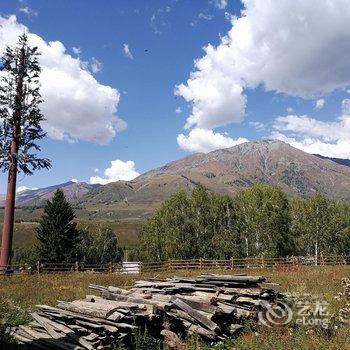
(260, 221)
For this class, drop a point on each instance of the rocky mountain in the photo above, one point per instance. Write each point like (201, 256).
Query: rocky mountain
(223, 171)
(228, 170)
(72, 190)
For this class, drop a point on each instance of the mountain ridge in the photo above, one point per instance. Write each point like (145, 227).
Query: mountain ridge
(223, 171)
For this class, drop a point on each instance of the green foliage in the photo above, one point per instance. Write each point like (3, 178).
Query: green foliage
(25, 255)
(189, 227)
(57, 233)
(258, 222)
(11, 315)
(100, 247)
(20, 114)
(144, 341)
(321, 226)
(263, 221)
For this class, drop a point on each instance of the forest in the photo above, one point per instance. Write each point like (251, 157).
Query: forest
(260, 221)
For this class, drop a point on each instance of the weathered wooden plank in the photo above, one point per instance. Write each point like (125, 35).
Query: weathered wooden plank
(196, 315)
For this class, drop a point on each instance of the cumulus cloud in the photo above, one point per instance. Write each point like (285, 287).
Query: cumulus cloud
(297, 47)
(331, 138)
(319, 104)
(21, 189)
(201, 140)
(127, 51)
(118, 170)
(178, 110)
(76, 105)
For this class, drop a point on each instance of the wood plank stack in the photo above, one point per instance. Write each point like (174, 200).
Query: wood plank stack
(211, 306)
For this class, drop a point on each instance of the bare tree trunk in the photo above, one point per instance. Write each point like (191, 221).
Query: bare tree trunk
(9, 213)
(7, 231)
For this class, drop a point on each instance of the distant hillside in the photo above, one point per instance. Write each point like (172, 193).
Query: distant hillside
(224, 171)
(72, 190)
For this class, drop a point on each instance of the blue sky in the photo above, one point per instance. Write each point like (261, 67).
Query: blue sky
(164, 38)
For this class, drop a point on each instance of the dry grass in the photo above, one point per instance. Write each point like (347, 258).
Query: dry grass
(25, 291)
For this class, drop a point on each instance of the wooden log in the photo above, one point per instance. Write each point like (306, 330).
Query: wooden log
(77, 316)
(86, 308)
(171, 339)
(158, 304)
(196, 315)
(195, 329)
(199, 305)
(63, 329)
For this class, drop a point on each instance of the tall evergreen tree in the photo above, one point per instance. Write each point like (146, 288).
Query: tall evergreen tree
(57, 233)
(20, 129)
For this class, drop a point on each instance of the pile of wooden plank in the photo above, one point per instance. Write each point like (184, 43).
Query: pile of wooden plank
(211, 306)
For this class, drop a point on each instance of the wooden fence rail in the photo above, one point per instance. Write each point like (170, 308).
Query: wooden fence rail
(184, 264)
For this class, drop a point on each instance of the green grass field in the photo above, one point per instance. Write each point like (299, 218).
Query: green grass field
(19, 294)
(126, 230)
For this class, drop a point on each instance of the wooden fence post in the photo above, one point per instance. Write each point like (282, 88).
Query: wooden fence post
(77, 266)
(38, 267)
(200, 263)
(232, 263)
(169, 264)
(110, 267)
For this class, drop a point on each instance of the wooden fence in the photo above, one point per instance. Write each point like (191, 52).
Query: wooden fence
(185, 264)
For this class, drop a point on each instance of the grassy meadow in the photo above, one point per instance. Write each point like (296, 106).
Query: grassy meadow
(126, 230)
(19, 294)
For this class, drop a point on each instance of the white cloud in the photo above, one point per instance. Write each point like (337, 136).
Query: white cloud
(178, 110)
(159, 19)
(74, 180)
(21, 189)
(205, 16)
(220, 4)
(118, 170)
(96, 65)
(127, 51)
(76, 50)
(201, 140)
(28, 11)
(257, 125)
(331, 139)
(290, 110)
(76, 105)
(297, 47)
(319, 104)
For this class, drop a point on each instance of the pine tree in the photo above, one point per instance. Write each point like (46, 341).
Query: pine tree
(20, 129)
(57, 233)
